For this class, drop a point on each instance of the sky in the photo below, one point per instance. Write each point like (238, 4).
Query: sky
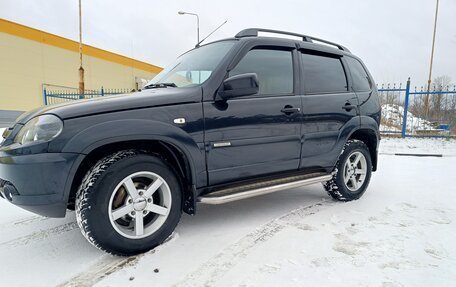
(393, 37)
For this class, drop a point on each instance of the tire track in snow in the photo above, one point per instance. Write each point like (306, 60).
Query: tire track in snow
(26, 230)
(23, 221)
(108, 265)
(40, 235)
(213, 269)
(99, 270)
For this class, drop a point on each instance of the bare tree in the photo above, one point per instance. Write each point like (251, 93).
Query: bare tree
(442, 108)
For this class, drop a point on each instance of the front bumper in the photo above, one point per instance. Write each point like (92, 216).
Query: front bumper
(39, 183)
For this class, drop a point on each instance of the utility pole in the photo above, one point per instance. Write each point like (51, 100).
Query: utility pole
(81, 69)
(426, 99)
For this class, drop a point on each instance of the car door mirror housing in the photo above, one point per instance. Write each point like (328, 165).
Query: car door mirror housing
(239, 85)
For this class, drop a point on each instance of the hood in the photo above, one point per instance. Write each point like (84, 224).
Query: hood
(143, 99)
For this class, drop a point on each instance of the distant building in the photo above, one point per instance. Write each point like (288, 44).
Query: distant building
(31, 59)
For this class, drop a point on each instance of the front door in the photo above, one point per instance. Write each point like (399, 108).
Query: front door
(259, 134)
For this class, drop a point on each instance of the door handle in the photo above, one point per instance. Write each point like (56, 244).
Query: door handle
(288, 110)
(348, 107)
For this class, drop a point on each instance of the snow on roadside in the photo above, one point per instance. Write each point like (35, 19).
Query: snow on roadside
(393, 114)
(446, 147)
(1, 133)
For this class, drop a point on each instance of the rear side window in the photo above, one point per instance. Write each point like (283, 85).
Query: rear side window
(323, 74)
(361, 81)
(273, 67)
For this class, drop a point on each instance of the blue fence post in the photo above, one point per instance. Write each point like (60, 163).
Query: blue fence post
(406, 104)
(45, 96)
(102, 91)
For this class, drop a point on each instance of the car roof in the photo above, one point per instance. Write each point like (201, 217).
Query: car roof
(253, 32)
(306, 42)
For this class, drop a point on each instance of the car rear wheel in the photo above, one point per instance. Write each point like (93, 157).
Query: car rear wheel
(352, 174)
(128, 203)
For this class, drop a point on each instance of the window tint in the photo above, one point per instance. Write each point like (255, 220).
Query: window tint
(273, 67)
(323, 74)
(361, 80)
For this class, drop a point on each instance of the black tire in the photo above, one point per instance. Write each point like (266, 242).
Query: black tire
(336, 187)
(93, 198)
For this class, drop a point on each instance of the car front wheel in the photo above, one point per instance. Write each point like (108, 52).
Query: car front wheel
(128, 203)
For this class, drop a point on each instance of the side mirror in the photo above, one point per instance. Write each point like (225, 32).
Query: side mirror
(239, 85)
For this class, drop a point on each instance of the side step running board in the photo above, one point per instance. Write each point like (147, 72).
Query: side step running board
(233, 194)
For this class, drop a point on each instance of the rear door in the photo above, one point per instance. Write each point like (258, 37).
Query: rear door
(362, 84)
(259, 134)
(329, 108)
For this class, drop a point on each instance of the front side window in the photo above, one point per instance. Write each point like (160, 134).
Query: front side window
(274, 69)
(323, 74)
(361, 81)
(194, 67)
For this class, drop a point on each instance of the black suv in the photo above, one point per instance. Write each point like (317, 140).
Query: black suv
(228, 120)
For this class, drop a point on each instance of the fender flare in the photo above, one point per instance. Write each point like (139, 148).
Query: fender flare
(368, 123)
(352, 126)
(115, 131)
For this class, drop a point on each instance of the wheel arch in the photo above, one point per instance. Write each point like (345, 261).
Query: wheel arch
(172, 143)
(370, 138)
(173, 155)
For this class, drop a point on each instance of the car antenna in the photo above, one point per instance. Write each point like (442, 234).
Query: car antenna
(197, 45)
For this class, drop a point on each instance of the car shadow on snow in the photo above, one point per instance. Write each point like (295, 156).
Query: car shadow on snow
(255, 210)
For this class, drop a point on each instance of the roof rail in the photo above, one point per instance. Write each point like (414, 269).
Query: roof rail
(253, 32)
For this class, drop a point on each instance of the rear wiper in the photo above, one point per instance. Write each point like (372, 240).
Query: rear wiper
(160, 85)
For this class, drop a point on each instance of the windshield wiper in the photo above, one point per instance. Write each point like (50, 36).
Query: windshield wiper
(160, 85)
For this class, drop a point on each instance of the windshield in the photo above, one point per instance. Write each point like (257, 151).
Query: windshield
(193, 68)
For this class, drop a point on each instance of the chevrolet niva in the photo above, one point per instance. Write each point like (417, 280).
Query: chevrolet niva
(229, 120)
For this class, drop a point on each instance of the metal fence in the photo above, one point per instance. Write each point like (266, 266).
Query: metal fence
(54, 96)
(417, 112)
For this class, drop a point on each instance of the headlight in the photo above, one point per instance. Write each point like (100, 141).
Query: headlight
(40, 129)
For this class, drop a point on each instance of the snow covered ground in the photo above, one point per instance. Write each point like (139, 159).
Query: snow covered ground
(445, 147)
(401, 233)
